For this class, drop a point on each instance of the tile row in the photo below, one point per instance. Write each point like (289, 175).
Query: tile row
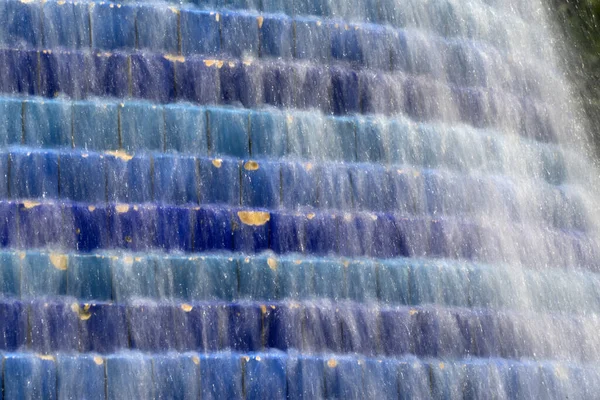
(47, 326)
(221, 131)
(276, 375)
(331, 89)
(104, 27)
(86, 227)
(235, 277)
(174, 179)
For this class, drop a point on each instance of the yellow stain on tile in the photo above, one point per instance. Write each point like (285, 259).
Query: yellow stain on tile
(174, 58)
(272, 263)
(332, 363)
(59, 261)
(98, 360)
(174, 10)
(196, 360)
(217, 163)
(91, 208)
(187, 307)
(120, 154)
(442, 366)
(254, 218)
(412, 312)
(263, 308)
(122, 208)
(128, 260)
(251, 166)
(46, 357)
(260, 20)
(310, 216)
(30, 204)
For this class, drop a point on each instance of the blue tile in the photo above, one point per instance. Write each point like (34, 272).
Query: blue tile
(258, 278)
(447, 379)
(129, 376)
(243, 327)
(64, 74)
(206, 326)
(417, 101)
(41, 225)
(320, 234)
(287, 233)
(108, 75)
(53, 327)
(34, 174)
(4, 168)
(360, 331)
(281, 322)
(261, 184)
(239, 34)
(80, 376)
(66, 25)
(388, 238)
(314, 89)
(156, 28)
(370, 189)
(47, 123)
(82, 177)
(343, 379)
(175, 179)
(414, 380)
(439, 284)
(341, 143)
(241, 84)
(334, 189)
(345, 43)
(176, 376)
(438, 334)
(13, 325)
(374, 42)
(157, 327)
(213, 368)
(213, 229)
(11, 122)
(325, 272)
(278, 6)
(8, 224)
(142, 127)
(295, 279)
(371, 140)
(305, 135)
(406, 191)
(393, 282)
(396, 328)
(128, 178)
(132, 227)
(198, 80)
(361, 280)
(267, 134)
(88, 277)
(103, 327)
(345, 91)
(95, 126)
(174, 228)
(18, 71)
(200, 32)
(44, 274)
(276, 37)
(306, 378)
(299, 185)
(133, 277)
(313, 39)
(21, 24)
(265, 377)
(29, 377)
(381, 379)
(356, 232)
(229, 132)
(90, 230)
(152, 78)
(321, 329)
(379, 94)
(251, 231)
(399, 54)
(113, 27)
(10, 274)
(185, 129)
(279, 84)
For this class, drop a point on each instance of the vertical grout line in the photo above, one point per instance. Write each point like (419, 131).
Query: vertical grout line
(90, 25)
(72, 108)
(119, 131)
(58, 173)
(208, 136)
(23, 105)
(179, 45)
(152, 183)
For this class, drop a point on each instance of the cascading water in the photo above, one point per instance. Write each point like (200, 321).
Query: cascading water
(301, 199)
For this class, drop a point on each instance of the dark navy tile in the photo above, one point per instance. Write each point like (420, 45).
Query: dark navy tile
(133, 277)
(306, 377)
(8, 224)
(13, 325)
(153, 77)
(113, 27)
(34, 174)
(360, 332)
(207, 325)
(267, 134)
(176, 376)
(44, 274)
(299, 185)
(345, 91)
(174, 228)
(128, 178)
(321, 329)
(251, 230)
(82, 177)
(279, 84)
(90, 229)
(313, 39)
(18, 71)
(130, 376)
(320, 234)
(261, 184)
(66, 25)
(132, 227)
(4, 168)
(157, 28)
(213, 229)
(107, 75)
(42, 225)
(343, 378)
(11, 121)
(239, 34)
(219, 181)
(243, 327)
(95, 126)
(103, 327)
(47, 123)
(380, 93)
(287, 233)
(200, 32)
(213, 367)
(198, 80)
(265, 377)
(21, 24)
(396, 328)
(374, 42)
(276, 36)
(142, 127)
(258, 278)
(157, 327)
(53, 327)
(314, 88)
(241, 84)
(175, 179)
(185, 129)
(229, 132)
(29, 376)
(355, 232)
(281, 322)
(64, 74)
(88, 277)
(345, 43)
(80, 376)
